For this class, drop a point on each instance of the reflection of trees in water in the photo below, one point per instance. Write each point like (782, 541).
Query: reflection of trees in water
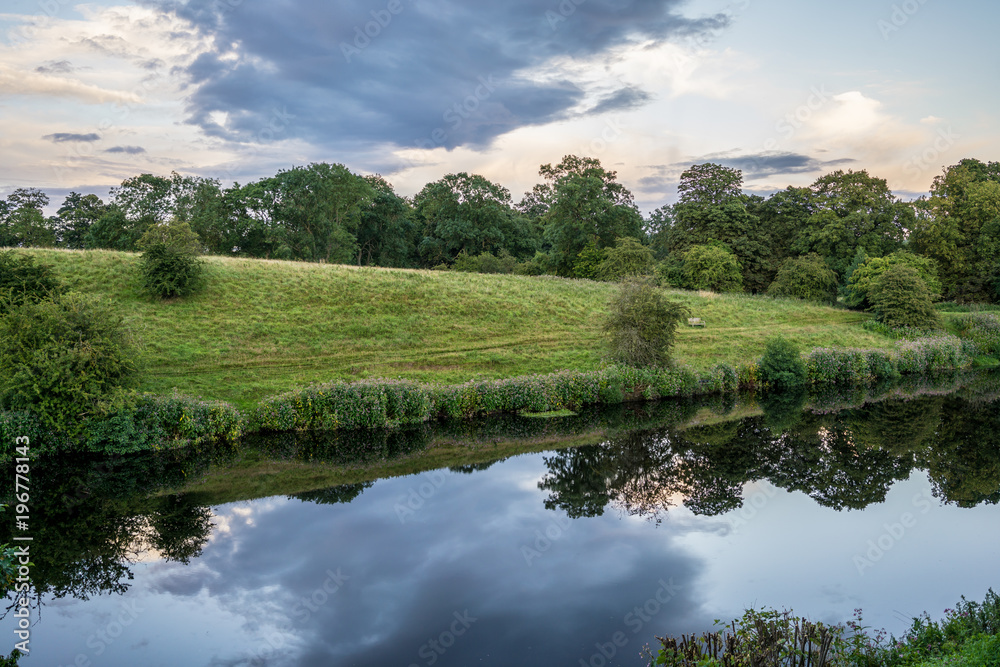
(96, 519)
(344, 493)
(846, 460)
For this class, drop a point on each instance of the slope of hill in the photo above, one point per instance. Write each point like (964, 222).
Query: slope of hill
(261, 327)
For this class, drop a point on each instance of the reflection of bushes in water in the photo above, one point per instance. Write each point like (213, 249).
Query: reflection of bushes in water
(901, 427)
(783, 409)
(360, 446)
(470, 468)
(344, 493)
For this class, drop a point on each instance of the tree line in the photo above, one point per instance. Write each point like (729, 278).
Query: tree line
(579, 221)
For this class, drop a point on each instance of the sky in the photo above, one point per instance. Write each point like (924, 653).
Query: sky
(93, 93)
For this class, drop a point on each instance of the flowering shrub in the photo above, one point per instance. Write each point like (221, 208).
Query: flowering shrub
(852, 366)
(983, 329)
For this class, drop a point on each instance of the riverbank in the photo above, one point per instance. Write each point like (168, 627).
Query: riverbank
(262, 327)
(314, 305)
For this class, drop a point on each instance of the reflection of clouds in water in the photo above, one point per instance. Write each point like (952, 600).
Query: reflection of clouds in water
(404, 582)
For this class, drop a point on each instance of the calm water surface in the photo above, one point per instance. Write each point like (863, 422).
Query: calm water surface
(568, 557)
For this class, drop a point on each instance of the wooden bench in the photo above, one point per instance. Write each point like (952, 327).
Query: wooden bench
(696, 322)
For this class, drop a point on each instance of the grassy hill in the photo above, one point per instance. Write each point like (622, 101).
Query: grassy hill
(261, 327)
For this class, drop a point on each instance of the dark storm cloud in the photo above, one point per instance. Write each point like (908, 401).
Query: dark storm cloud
(769, 164)
(625, 98)
(128, 150)
(56, 67)
(60, 137)
(405, 72)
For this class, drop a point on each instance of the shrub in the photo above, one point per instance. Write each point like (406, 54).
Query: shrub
(900, 298)
(781, 366)
(806, 277)
(60, 359)
(983, 329)
(627, 259)
(713, 267)
(21, 280)
(861, 281)
(589, 261)
(670, 272)
(173, 234)
(168, 272)
(170, 266)
(642, 325)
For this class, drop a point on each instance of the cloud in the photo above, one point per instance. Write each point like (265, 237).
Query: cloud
(629, 97)
(56, 67)
(19, 82)
(442, 73)
(60, 137)
(128, 150)
(760, 165)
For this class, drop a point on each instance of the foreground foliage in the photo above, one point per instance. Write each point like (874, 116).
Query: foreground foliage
(967, 635)
(62, 358)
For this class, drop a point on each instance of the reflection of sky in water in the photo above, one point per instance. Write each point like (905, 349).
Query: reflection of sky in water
(465, 552)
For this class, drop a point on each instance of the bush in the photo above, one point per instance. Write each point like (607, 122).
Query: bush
(806, 277)
(173, 234)
(170, 266)
(22, 280)
(627, 259)
(588, 262)
(642, 325)
(983, 329)
(713, 267)
(60, 359)
(670, 272)
(900, 298)
(168, 272)
(861, 281)
(781, 366)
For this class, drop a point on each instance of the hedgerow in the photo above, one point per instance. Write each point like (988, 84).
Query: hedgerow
(853, 366)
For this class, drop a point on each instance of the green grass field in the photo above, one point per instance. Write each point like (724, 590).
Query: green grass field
(261, 327)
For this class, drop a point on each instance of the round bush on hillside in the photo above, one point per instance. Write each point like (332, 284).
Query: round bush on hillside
(900, 298)
(642, 325)
(782, 366)
(168, 272)
(61, 358)
(806, 277)
(860, 282)
(21, 280)
(713, 267)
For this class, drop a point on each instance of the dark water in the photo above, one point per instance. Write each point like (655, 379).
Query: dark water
(576, 556)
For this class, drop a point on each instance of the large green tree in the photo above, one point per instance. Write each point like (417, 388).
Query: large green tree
(75, 217)
(587, 204)
(959, 227)
(22, 221)
(712, 207)
(469, 213)
(852, 210)
(386, 229)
